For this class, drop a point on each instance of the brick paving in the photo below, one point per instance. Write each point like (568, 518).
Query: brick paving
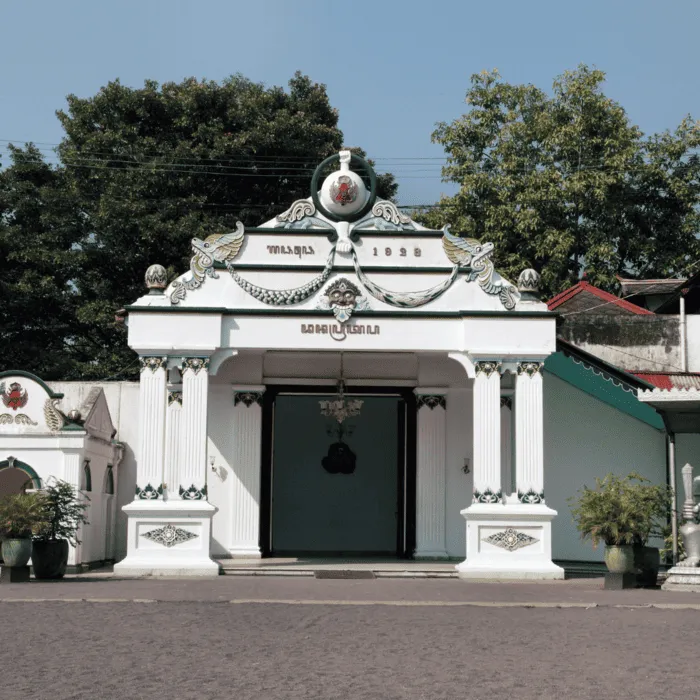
(337, 639)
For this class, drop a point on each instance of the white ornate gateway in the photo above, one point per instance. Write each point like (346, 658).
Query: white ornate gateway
(416, 314)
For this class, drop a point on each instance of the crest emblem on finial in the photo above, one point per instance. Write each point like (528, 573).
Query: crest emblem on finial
(14, 396)
(344, 190)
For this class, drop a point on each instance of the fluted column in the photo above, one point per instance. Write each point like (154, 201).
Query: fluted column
(173, 442)
(193, 427)
(487, 433)
(529, 433)
(247, 436)
(430, 474)
(72, 467)
(152, 407)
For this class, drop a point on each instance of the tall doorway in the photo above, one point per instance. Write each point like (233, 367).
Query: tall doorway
(327, 493)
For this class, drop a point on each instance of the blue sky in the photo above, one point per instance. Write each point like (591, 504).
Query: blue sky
(393, 69)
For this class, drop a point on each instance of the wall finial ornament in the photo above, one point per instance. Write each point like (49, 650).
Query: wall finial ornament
(156, 279)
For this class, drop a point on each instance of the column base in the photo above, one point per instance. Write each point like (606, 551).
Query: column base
(168, 538)
(509, 542)
(244, 552)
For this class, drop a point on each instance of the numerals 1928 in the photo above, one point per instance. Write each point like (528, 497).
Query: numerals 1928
(388, 252)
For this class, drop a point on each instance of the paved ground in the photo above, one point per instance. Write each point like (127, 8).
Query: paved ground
(388, 639)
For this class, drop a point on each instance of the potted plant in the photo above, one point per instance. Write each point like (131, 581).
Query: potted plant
(624, 513)
(64, 512)
(21, 516)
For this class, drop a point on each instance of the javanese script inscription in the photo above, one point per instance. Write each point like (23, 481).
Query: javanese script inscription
(298, 250)
(339, 331)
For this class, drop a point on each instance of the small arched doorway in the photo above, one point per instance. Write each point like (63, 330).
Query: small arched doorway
(17, 476)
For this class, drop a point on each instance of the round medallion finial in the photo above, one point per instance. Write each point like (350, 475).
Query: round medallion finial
(74, 415)
(343, 195)
(529, 284)
(156, 279)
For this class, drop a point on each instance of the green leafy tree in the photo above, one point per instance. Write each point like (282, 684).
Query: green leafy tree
(565, 183)
(41, 226)
(156, 166)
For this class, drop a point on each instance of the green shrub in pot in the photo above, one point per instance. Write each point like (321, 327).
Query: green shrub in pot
(623, 512)
(21, 516)
(64, 508)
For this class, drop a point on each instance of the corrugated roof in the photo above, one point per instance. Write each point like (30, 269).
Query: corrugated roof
(666, 286)
(671, 380)
(606, 299)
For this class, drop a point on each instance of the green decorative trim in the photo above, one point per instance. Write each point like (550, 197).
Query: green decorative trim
(356, 216)
(410, 233)
(148, 493)
(261, 230)
(487, 496)
(224, 311)
(531, 497)
(193, 493)
(342, 267)
(12, 463)
(33, 377)
(602, 389)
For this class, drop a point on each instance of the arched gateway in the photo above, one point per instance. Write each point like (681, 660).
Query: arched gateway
(341, 380)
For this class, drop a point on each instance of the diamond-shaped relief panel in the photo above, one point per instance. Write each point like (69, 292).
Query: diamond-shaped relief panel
(169, 535)
(511, 539)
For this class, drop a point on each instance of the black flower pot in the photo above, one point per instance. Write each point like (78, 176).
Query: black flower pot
(49, 558)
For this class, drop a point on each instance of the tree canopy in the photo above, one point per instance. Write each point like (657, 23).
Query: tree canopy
(141, 172)
(565, 183)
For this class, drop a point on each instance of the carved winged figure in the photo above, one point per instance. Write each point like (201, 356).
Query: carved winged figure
(219, 247)
(476, 258)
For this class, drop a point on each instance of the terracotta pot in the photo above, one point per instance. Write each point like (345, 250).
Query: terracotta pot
(647, 561)
(619, 558)
(50, 558)
(16, 551)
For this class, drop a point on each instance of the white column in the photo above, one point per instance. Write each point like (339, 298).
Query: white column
(507, 485)
(529, 433)
(173, 442)
(72, 470)
(152, 407)
(193, 463)
(430, 474)
(247, 436)
(487, 433)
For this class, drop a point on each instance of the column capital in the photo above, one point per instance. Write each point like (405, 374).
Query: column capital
(248, 395)
(530, 368)
(153, 362)
(195, 364)
(432, 397)
(487, 367)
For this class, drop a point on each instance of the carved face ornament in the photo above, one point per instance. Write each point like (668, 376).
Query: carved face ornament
(343, 299)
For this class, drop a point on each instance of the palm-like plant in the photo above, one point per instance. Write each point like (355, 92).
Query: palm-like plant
(64, 512)
(22, 515)
(621, 510)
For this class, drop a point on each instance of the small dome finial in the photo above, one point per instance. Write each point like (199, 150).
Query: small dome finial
(156, 279)
(529, 285)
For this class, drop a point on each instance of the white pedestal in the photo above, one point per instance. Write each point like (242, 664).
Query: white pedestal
(509, 542)
(682, 578)
(168, 538)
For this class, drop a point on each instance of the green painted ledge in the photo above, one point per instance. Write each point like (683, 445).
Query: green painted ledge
(602, 389)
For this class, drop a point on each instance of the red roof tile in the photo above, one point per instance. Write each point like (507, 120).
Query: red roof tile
(606, 297)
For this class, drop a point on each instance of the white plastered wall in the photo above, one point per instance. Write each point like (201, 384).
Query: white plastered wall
(586, 438)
